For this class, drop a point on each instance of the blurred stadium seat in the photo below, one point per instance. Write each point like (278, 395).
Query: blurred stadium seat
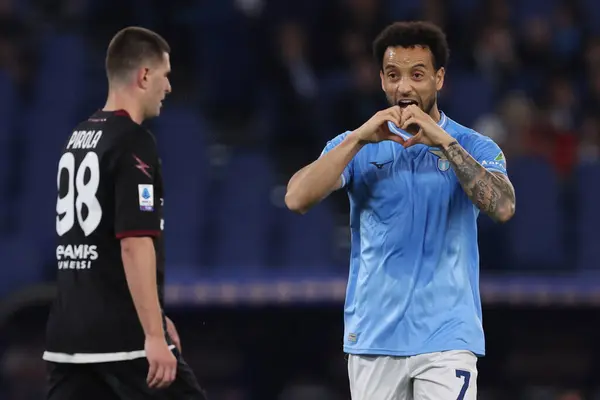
(8, 108)
(536, 231)
(221, 218)
(309, 242)
(588, 219)
(244, 214)
(182, 138)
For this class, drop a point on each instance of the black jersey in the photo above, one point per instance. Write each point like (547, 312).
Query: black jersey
(109, 187)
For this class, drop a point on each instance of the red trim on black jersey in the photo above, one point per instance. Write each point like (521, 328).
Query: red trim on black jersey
(121, 113)
(126, 234)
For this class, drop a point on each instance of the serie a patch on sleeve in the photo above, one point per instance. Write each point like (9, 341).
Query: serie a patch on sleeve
(146, 197)
(498, 162)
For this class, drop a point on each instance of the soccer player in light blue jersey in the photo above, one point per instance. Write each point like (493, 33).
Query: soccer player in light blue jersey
(416, 181)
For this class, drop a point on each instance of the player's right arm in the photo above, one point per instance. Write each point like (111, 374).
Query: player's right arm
(329, 172)
(137, 221)
(333, 169)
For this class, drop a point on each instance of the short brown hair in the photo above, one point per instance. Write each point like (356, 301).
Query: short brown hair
(130, 47)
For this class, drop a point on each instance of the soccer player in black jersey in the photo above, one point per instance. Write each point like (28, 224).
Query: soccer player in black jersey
(107, 337)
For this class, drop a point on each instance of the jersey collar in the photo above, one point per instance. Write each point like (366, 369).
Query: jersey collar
(118, 113)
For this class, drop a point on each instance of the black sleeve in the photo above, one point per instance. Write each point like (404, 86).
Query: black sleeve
(136, 208)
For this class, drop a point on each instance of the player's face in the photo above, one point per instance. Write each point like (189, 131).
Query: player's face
(158, 86)
(409, 77)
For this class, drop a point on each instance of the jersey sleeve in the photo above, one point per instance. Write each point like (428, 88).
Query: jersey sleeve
(136, 211)
(487, 153)
(349, 170)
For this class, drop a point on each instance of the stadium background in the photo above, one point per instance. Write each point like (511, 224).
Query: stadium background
(259, 86)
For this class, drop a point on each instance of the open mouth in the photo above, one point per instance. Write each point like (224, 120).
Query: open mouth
(406, 102)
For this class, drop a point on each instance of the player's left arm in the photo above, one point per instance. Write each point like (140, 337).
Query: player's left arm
(482, 174)
(480, 168)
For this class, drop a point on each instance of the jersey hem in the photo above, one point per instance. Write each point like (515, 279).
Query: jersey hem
(94, 358)
(404, 353)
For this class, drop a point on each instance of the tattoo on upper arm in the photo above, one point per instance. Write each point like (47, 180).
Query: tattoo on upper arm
(491, 192)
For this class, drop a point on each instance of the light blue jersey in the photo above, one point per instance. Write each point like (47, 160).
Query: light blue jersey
(413, 286)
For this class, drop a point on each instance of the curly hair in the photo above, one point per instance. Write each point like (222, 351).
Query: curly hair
(411, 34)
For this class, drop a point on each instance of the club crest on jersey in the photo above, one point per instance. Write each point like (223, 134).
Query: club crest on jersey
(442, 163)
(146, 197)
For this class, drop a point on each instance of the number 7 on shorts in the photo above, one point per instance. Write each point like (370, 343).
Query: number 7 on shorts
(467, 378)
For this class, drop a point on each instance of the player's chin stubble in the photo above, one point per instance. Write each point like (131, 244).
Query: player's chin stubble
(429, 106)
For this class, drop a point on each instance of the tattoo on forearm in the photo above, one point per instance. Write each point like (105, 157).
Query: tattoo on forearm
(490, 192)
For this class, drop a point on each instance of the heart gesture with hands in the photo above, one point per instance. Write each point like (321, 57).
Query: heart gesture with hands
(376, 130)
(429, 132)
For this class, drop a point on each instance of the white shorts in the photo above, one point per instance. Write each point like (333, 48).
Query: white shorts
(447, 375)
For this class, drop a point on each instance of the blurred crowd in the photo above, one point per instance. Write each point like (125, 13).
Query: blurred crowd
(290, 75)
(280, 78)
(286, 76)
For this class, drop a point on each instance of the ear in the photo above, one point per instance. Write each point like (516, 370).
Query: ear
(382, 80)
(141, 77)
(439, 78)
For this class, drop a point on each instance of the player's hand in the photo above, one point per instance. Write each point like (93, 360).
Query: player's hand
(376, 128)
(162, 363)
(173, 334)
(428, 131)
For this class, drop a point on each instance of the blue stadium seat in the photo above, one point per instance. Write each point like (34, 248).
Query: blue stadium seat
(7, 111)
(58, 91)
(469, 86)
(588, 219)
(217, 25)
(37, 211)
(536, 232)
(308, 239)
(7, 105)
(60, 85)
(592, 14)
(21, 265)
(181, 136)
(524, 10)
(244, 213)
(463, 8)
(529, 80)
(402, 10)
(492, 244)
